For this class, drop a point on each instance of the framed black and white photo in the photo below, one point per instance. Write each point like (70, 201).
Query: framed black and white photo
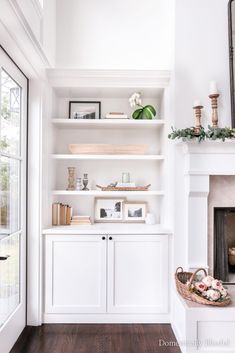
(84, 110)
(135, 211)
(109, 210)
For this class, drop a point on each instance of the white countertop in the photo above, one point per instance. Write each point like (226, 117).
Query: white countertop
(111, 228)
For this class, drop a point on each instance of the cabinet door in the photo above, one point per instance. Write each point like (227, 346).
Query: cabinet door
(138, 274)
(75, 272)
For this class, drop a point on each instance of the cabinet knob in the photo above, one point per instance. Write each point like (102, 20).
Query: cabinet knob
(110, 238)
(4, 258)
(103, 238)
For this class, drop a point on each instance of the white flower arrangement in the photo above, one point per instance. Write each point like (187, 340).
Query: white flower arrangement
(210, 289)
(143, 112)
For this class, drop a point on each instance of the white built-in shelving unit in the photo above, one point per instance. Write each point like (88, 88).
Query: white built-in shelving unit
(112, 88)
(108, 272)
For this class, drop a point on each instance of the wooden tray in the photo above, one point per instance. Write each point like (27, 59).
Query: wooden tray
(107, 149)
(123, 188)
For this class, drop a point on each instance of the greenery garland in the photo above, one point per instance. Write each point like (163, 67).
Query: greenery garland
(201, 135)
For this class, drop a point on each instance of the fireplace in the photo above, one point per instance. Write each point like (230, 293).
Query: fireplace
(224, 244)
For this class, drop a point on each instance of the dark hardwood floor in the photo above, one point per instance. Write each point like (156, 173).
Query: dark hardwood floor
(103, 338)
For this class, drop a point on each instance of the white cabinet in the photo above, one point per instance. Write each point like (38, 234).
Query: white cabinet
(79, 279)
(75, 273)
(137, 274)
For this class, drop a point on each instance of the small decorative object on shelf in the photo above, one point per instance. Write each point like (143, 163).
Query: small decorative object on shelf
(135, 211)
(113, 187)
(198, 113)
(79, 185)
(143, 112)
(150, 219)
(214, 95)
(84, 110)
(85, 182)
(205, 290)
(71, 178)
(109, 210)
(116, 115)
(108, 149)
(126, 178)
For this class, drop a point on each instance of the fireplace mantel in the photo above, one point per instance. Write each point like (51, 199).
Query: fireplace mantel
(196, 162)
(209, 157)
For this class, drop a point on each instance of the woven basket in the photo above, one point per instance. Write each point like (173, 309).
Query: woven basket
(181, 278)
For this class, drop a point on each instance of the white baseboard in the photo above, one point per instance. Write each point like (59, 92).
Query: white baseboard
(106, 318)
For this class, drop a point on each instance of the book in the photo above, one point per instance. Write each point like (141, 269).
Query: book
(116, 115)
(62, 215)
(68, 215)
(55, 214)
(126, 185)
(79, 220)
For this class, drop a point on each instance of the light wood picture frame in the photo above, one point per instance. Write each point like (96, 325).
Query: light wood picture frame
(135, 212)
(109, 210)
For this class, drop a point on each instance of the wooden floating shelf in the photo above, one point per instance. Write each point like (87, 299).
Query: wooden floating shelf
(107, 123)
(108, 193)
(146, 157)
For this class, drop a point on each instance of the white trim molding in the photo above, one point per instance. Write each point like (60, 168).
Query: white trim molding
(108, 78)
(200, 161)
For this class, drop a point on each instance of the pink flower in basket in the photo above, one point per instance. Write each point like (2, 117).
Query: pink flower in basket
(216, 284)
(200, 286)
(208, 280)
(223, 292)
(213, 294)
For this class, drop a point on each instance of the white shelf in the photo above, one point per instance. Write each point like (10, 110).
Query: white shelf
(109, 228)
(108, 157)
(107, 123)
(108, 193)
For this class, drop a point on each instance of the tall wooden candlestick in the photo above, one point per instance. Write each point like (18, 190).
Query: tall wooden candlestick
(198, 114)
(214, 105)
(71, 178)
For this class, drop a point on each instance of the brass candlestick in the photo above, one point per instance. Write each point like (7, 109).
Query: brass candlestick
(214, 105)
(198, 114)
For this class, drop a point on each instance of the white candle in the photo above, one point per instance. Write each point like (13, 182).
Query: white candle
(197, 103)
(213, 87)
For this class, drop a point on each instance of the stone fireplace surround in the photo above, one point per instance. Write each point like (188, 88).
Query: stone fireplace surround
(208, 181)
(222, 194)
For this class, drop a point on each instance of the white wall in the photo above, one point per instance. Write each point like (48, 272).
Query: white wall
(115, 34)
(201, 55)
(49, 30)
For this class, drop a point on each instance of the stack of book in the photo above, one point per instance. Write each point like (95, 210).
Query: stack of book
(78, 220)
(116, 115)
(61, 214)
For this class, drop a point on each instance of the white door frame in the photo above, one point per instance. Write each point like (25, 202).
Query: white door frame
(14, 325)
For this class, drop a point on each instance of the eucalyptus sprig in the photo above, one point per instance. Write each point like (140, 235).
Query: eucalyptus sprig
(188, 134)
(201, 134)
(220, 133)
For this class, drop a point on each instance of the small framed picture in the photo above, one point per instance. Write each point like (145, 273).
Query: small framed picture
(109, 210)
(84, 110)
(135, 211)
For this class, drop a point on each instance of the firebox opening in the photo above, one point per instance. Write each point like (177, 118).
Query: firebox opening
(224, 244)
